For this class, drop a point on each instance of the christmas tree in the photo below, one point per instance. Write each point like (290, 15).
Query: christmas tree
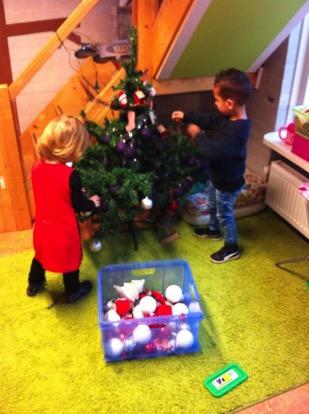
(135, 163)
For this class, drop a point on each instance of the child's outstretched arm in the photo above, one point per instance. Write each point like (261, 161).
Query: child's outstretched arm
(80, 202)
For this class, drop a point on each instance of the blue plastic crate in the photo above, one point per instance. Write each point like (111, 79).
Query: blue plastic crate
(167, 336)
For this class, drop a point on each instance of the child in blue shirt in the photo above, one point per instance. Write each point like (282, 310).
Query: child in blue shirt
(221, 137)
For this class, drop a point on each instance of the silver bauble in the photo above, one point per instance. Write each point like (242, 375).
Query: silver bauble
(95, 245)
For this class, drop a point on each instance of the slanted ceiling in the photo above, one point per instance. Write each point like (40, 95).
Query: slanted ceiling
(217, 34)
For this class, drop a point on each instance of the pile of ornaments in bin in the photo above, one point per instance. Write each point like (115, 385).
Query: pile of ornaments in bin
(135, 304)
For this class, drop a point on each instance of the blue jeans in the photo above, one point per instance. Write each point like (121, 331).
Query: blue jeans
(221, 212)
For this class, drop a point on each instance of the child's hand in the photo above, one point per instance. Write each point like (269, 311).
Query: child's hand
(177, 116)
(96, 199)
(192, 131)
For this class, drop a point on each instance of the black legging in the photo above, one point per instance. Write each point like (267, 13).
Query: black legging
(37, 277)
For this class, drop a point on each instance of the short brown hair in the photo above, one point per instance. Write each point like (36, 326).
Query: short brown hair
(233, 84)
(64, 139)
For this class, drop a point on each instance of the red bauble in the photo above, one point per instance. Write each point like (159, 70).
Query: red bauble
(123, 306)
(141, 295)
(158, 296)
(173, 206)
(163, 310)
(149, 348)
(165, 332)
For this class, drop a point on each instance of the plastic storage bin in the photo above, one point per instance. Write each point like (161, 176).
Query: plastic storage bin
(161, 335)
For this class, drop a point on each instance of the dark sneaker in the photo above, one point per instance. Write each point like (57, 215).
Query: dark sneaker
(206, 233)
(34, 290)
(84, 289)
(227, 253)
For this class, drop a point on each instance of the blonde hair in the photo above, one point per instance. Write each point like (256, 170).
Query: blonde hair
(64, 139)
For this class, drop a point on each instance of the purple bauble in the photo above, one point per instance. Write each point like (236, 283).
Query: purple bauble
(121, 146)
(191, 161)
(105, 139)
(129, 151)
(146, 132)
(114, 188)
(179, 191)
(104, 205)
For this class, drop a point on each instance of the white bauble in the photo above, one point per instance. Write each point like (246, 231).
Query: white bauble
(184, 339)
(147, 203)
(112, 316)
(184, 326)
(110, 305)
(142, 334)
(137, 312)
(95, 245)
(180, 309)
(148, 304)
(129, 344)
(173, 294)
(194, 307)
(114, 347)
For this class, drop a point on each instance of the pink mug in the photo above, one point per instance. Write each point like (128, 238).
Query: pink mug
(286, 133)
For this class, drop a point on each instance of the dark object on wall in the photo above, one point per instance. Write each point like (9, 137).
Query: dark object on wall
(86, 50)
(103, 52)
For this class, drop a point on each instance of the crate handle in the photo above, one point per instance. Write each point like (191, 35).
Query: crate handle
(147, 271)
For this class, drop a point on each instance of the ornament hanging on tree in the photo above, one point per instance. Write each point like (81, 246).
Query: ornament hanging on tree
(123, 100)
(146, 203)
(121, 146)
(146, 132)
(173, 206)
(139, 98)
(95, 245)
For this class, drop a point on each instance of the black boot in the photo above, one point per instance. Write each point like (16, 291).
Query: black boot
(34, 290)
(84, 289)
(36, 279)
(74, 289)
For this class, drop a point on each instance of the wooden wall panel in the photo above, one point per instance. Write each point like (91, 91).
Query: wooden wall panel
(14, 206)
(158, 26)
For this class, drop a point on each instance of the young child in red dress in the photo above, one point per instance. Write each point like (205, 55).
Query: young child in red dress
(58, 196)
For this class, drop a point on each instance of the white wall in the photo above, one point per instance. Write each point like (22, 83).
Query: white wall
(100, 26)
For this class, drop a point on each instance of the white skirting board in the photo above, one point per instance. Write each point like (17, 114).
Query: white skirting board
(283, 196)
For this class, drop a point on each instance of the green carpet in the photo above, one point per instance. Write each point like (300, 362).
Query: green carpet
(256, 315)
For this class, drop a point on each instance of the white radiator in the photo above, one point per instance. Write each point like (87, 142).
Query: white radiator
(283, 196)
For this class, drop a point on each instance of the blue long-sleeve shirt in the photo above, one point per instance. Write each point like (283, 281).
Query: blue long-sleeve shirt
(224, 144)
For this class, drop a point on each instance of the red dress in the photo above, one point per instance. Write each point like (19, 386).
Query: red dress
(56, 235)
